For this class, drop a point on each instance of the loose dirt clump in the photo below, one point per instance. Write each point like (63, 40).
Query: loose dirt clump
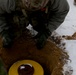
(73, 37)
(50, 57)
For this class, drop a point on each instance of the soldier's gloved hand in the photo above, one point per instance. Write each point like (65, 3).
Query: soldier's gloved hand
(41, 41)
(7, 39)
(41, 38)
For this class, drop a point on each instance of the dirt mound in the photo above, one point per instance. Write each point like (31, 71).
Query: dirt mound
(73, 37)
(50, 57)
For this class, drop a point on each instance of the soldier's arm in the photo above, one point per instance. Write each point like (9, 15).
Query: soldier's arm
(6, 6)
(58, 12)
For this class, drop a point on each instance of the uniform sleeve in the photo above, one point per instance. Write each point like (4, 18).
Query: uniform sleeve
(6, 6)
(2, 68)
(58, 12)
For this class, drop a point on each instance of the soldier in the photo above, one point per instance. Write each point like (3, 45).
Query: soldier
(44, 15)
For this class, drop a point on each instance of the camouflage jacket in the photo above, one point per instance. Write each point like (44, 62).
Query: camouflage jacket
(57, 10)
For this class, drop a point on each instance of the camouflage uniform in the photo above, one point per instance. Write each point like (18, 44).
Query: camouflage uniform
(2, 68)
(44, 19)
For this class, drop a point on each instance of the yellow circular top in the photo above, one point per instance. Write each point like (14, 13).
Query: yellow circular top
(38, 70)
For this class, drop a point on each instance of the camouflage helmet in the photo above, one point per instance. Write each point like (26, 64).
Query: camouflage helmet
(34, 4)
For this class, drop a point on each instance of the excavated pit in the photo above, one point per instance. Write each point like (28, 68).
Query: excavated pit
(50, 57)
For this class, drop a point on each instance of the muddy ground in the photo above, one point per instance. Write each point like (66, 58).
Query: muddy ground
(50, 57)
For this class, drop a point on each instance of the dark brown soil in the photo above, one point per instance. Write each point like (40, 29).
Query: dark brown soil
(50, 57)
(73, 37)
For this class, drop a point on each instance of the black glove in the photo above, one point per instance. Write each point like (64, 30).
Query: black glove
(41, 41)
(7, 38)
(41, 38)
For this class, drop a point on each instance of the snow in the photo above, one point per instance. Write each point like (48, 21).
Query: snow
(68, 27)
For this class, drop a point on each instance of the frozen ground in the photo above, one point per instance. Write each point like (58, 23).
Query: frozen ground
(69, 28)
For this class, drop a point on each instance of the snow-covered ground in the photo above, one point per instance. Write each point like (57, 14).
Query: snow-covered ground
(69, 28)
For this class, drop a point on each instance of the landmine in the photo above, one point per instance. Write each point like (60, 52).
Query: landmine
(50, 57)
